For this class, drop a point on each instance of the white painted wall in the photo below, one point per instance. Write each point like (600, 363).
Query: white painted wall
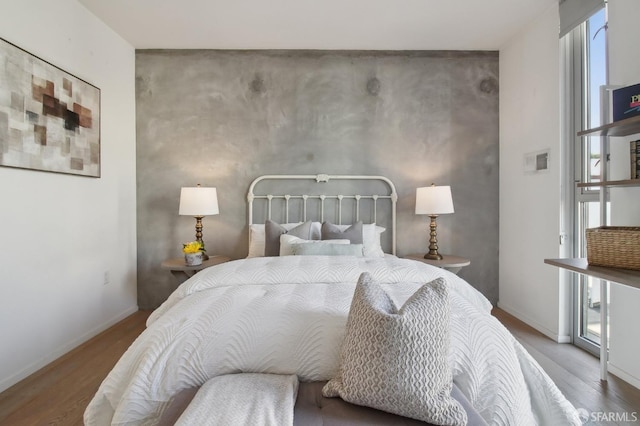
(530, 203)
(59, 234)
(624, 69)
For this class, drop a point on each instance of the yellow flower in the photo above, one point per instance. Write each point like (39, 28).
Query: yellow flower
(192, 247)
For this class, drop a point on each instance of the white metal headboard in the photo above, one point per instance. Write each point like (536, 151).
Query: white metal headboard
(390, 195)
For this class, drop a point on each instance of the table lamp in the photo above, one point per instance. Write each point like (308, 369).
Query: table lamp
(198, 202)
(433, 201)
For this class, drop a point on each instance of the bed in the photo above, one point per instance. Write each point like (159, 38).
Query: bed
(271, 334)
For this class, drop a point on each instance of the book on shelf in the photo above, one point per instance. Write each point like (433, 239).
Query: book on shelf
(637, 159)
(634, 155)
(625, 102)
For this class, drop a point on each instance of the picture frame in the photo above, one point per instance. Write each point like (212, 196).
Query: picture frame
(49, 118)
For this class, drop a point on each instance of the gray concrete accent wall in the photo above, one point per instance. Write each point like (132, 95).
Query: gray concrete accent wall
(222, 118)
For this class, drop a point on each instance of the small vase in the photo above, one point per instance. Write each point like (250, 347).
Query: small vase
(193, 259)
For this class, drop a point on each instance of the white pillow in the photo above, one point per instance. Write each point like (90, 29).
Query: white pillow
(370, 239)
(288, 241)
(316, 230)
(256, 240)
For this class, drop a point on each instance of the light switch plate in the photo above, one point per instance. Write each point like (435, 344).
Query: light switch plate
(536, 162)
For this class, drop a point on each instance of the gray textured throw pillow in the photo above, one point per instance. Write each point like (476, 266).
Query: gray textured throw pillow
(353, 233)
(273, 230)
(396, 360)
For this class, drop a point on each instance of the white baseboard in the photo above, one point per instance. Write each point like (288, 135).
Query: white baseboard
(553, 335)
(6, 383)
(632, 380)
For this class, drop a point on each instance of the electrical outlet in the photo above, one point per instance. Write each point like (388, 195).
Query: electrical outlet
(107, 278)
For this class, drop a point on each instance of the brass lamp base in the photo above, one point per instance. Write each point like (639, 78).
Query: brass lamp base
(199, 235)
(436, 256)
(433, 241)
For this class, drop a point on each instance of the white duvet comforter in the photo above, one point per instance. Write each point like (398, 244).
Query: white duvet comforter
(286, 315)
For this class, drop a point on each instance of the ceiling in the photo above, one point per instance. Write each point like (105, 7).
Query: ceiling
(318, 24)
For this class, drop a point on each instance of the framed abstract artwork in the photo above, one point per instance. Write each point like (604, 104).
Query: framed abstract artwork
(49, 119)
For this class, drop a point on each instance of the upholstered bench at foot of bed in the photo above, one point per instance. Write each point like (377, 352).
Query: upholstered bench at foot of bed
(312, 409)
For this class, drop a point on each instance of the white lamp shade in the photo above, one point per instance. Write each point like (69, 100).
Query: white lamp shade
(198, 201)
(434, 200)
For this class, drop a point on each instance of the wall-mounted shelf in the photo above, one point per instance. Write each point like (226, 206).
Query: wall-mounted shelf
(625, 127)
(621, 276)
(626, 182)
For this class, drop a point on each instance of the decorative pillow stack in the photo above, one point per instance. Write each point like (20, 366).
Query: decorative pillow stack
(396, 360)
(257, 236)
(265, 240)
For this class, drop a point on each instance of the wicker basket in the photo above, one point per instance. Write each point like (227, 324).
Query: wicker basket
(614, 247)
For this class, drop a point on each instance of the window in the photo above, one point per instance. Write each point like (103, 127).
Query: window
(584, 50)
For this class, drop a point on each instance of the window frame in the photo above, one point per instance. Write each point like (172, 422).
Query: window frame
(576, 109)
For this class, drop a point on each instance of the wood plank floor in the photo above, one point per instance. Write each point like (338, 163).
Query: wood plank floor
(59, 393)
(577, 374)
